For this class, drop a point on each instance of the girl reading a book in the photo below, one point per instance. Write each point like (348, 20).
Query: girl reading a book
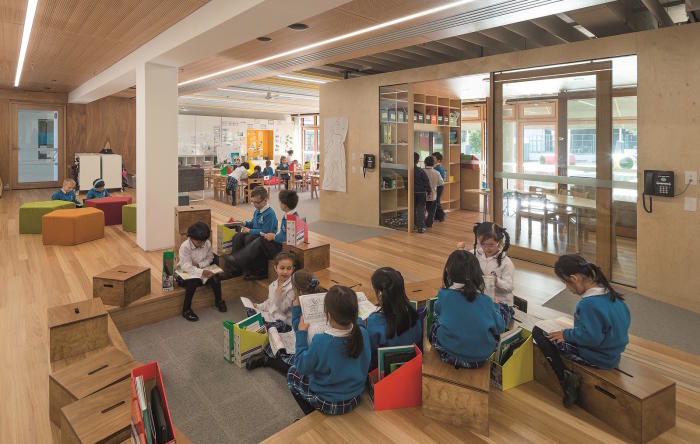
(601, 322)
(329, 374)
(195, 257)
(303, 282)
(396, 322)
(466, 323)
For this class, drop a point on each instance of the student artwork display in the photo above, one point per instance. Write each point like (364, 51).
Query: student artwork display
(335, 129)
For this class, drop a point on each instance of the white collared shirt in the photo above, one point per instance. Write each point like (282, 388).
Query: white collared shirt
(338, 332)
(435, 180)
(594, 291)
(239, 173)
(193, 259)
(279, 306)
(504, 273)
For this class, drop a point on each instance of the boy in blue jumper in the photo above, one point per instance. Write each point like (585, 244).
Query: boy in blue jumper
(329, 374)
(601, 322)
(466, 323)
(252, 259)
(268, 171)
(397, 322)
(67, 193)
(264, 220)
(98, 190)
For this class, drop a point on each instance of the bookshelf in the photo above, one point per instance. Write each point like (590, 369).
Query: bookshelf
(393, 157)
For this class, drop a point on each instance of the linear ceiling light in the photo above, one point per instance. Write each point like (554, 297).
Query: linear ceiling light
(302, 79)
(28, 22)
(332, 40)
(263, 93)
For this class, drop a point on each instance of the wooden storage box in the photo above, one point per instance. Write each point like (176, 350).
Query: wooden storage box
(85, 377)
(312, 256)
(186, 216)
(639, 403)
(77, 328)
(103, 417)
(456, 396)
(122, 285)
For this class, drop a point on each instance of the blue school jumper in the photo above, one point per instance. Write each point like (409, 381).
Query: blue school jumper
(68, 197)
(376, 329)
(600, 330)
(262, 222)
(281, 237)
(466, 333)
(268, 171)
(324, 374)
(441, 170)
(94, 194)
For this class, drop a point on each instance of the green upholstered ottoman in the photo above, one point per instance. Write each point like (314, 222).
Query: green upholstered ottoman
(129, 218)
(30, 214)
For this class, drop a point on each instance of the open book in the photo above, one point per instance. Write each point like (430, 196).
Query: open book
(185, 275)
(247, 303)
(282, 341)
(315, 316)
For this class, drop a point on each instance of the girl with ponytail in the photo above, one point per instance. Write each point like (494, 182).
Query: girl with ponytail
(466, 323)
(491, 243)
(329, 374)
(601, 322)
(397, 322)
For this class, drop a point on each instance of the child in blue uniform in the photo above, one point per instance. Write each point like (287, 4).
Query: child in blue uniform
(466, 323)
(98, 190)
(67, 193)
(268, 171)
(329, 374)
(396, 322)
(601, 322)
(264, 220)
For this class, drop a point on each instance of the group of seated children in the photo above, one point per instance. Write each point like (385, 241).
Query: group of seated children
(67, 191)
(238, 175)
(428, 185)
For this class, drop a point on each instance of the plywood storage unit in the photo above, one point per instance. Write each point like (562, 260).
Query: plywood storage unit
(77, 328)
(185, 216)
(122, 285)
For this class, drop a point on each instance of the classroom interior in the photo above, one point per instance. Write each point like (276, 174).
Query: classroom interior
(555, 120)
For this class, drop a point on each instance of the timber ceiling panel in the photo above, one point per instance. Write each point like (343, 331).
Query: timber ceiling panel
(73, 40)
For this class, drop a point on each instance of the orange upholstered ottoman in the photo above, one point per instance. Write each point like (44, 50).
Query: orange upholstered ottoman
(70, 227)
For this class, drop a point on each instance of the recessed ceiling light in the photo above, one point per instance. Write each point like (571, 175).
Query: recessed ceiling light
(28, 22)
(301, 79)
(264, 39)
(331, 40)
(298, 26)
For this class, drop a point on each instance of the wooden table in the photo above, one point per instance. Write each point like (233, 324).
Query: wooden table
(486, 192)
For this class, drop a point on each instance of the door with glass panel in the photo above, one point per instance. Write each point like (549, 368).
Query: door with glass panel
(37, 135)
(553, 163)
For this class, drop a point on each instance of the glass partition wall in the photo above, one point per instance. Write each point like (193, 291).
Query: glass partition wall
(554, 161)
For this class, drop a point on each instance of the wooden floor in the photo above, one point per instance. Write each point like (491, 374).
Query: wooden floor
(34, 277)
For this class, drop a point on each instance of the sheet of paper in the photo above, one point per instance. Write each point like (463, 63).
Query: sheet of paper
(247, 303)
(317, 328)
(289, 340)
(312, 308)
(549, 325)
(366, 308)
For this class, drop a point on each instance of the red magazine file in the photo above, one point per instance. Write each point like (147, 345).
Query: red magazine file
(401, 389)
(149, 372)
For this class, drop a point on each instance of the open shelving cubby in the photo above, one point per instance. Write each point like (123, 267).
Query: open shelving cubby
(393, 157)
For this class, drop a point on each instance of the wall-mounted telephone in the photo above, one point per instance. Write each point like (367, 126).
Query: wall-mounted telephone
(657, 183)
(368, 163)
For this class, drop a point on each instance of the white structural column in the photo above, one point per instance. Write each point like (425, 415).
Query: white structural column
(156, 155)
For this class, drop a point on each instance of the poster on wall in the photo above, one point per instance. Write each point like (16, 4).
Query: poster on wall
(334, 129)
(259, 144)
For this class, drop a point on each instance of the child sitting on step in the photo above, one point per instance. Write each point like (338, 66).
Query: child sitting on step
(329, 374)
(601, 322)
(466, 323)
(396, 322)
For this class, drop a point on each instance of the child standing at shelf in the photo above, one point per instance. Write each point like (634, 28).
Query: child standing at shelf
(396, 322)
(439, 212)
(491, 243)
(601, 323)
(466, 323)
(329, 374)
(435, 181)
(302, 282)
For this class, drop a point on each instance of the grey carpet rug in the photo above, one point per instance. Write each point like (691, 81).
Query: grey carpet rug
(651, 319)
(211, 400)
(347, 232)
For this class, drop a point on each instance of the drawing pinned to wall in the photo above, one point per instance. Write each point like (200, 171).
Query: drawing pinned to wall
(335, 129)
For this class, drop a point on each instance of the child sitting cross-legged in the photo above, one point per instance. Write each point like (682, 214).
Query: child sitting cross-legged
(466, 323)
(329, 374)
(301, 282)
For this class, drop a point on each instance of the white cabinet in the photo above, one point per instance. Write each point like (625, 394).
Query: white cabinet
(106, 166)
(112, 170)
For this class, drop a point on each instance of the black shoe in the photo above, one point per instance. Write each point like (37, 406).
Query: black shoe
(572, 385)
(221, 305)
(420, 230)
(259, 360)
(190, 316)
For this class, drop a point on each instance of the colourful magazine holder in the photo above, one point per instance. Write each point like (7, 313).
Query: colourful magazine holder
(149, 372)
(401, 389)
(518, 369)
(246, 342)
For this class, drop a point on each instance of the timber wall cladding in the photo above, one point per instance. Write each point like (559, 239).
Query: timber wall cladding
(111, 119)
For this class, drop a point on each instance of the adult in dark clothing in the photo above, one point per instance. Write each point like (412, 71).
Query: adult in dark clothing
(421, 189)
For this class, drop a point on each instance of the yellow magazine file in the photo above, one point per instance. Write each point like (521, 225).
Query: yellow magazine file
(517, 369)
(247, 343)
